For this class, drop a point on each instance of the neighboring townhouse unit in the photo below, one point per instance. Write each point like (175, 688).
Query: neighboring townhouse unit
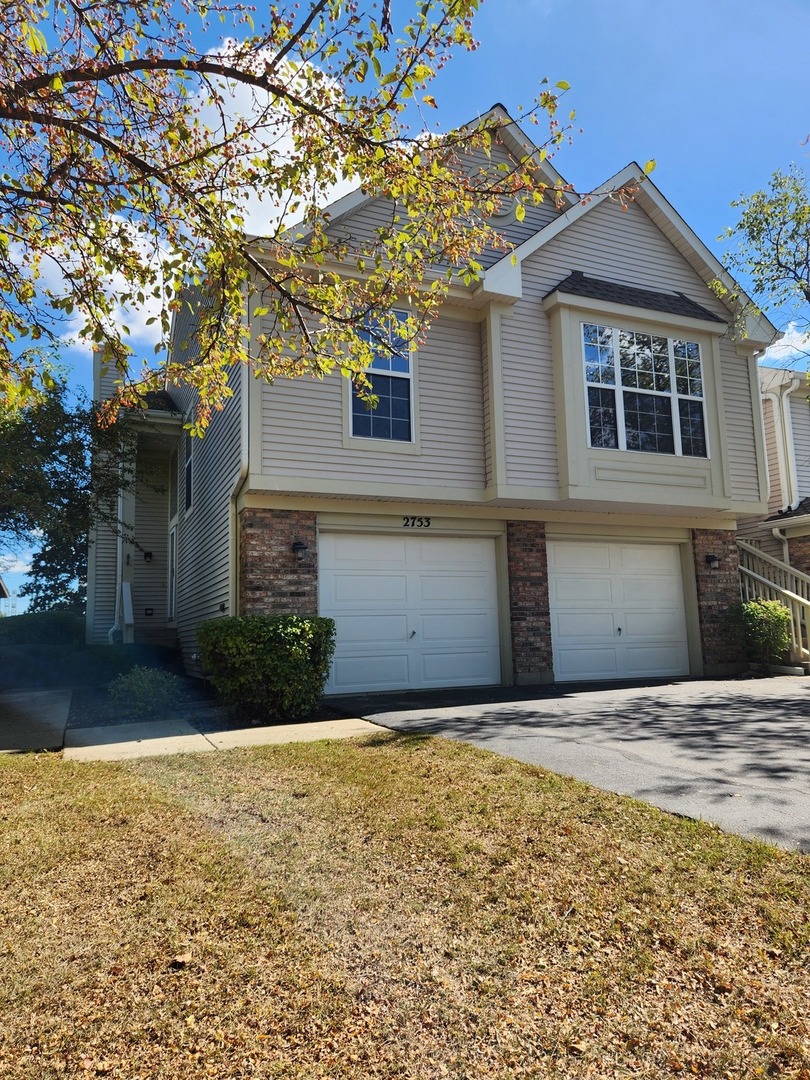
(548, 490)
(784, 532)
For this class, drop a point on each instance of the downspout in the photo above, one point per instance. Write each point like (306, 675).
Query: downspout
(777, 534)
(787, 434)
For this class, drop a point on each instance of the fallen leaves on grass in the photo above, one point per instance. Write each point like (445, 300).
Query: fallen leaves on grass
(391, 907)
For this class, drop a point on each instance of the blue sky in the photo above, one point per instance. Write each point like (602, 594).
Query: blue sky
(717, 91)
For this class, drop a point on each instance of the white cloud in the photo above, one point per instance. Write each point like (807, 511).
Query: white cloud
(792, 350)
(15, 564)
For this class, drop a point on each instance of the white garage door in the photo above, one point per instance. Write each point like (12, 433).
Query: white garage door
(411, 611)
(617, 610)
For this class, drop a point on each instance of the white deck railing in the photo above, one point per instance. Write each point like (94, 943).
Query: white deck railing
(762, 577)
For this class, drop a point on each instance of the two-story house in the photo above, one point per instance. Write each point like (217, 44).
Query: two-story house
(548, 490)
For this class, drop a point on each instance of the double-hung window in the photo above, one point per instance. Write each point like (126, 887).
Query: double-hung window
(391, 377)
(645, 392)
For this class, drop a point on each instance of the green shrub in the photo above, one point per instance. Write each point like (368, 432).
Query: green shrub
(765, 626)
(268, 665)
(145, 693)
(56, 627)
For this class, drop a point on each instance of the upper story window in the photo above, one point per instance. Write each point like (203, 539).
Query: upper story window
(645, 392)
(391, 376)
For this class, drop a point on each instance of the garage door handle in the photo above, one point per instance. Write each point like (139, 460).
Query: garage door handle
(413, 633)
(620, 631)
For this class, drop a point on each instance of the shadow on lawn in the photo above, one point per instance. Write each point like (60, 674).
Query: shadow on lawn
(676, 741)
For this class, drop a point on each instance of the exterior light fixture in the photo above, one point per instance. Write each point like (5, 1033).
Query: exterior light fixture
(713, 561)
(147, 556)
(300, 550)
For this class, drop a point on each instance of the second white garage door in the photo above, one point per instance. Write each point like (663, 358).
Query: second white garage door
(617, 610)
(411, 611)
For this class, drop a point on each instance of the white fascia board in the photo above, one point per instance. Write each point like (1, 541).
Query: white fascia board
(773, 379)
(759, 330)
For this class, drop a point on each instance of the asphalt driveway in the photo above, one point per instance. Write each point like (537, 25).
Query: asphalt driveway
(732, 752)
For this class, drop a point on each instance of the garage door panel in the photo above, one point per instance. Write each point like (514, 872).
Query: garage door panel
(638, 558)
(574, 626)
(429, 617)
(586, 663)
(468, 668)
(439, 588)
(363, 552)
(387, 671)
(653, 624)
(643, 660)
(371, 629)
(649, 591)
(582, 589)
(437, 552)
(350, 590)
(579, 557)
(462, 627)
(642, 595)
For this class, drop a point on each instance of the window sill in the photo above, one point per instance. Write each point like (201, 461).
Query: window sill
(380, 446)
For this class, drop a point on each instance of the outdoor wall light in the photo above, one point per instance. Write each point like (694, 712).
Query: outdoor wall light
(300, 550)
(713, 561)
(147, 556)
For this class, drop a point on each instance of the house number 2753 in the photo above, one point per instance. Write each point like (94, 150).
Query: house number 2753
(416, 523)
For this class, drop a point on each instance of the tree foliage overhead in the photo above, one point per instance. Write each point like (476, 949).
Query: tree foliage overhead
(133, 132)
(772, 245)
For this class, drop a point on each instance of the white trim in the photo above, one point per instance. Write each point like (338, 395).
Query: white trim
(759, 330)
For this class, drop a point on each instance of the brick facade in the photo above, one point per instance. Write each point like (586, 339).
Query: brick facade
(799, 551)
(718, 590)
(528, 602)
(272, 580)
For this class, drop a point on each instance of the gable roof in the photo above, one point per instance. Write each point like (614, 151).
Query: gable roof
(504, 277)
(514, 139)
(577, 284)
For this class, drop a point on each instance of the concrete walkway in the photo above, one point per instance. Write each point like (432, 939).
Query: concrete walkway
(36, 720)
(732, 752)
(33, 720)
(121, 741)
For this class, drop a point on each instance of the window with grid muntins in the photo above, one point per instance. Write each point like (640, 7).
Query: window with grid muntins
(391, 380)
(645, 392)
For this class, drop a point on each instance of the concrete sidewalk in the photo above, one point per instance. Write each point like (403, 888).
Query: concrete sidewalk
(120, 742)
(33, 720)
(37, 721)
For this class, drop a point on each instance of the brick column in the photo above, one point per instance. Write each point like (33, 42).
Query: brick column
(272, 580)
(528, 602)
(718, 591)
(799, 553)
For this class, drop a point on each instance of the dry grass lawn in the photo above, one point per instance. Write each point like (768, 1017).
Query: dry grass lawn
(391, 907)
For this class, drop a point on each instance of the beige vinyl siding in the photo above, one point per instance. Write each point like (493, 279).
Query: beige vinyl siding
(203, 542)
(627, 248)
(203, 538)
(530, 431)
(302, 422)
(485, 417)
(150, 579)
(800, 421)
(101, 584)
(739, 410)
(776, 495)
(358, 228)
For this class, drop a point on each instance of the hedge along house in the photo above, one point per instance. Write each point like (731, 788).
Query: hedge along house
(548, 490)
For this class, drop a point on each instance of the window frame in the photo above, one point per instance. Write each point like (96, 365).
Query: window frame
(375, 442)
(619, 390)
